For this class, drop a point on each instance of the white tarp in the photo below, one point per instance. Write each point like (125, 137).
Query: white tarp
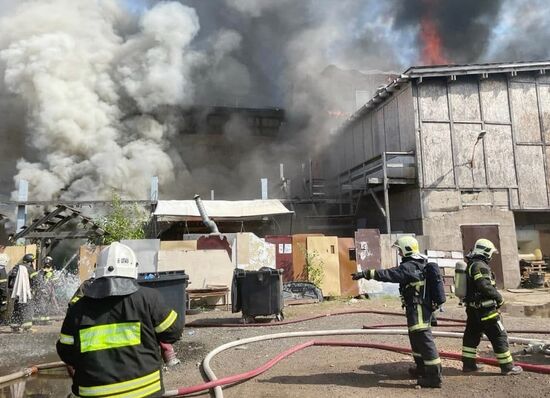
(186, 210)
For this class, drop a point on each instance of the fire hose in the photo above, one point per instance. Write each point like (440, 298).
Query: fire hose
(31, 371)
(196, 324)
(374, 330)
(217, 383)
(450, 325)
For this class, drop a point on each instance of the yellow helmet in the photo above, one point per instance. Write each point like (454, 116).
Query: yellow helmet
(484, 248)
(408, 246)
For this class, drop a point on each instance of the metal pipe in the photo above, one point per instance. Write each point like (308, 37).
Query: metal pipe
(205, 219)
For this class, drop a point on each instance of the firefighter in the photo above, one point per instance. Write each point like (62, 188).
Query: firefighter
(44, 292)
(21, 282)
(482, 309)
(110, 337)
(4, 259)
(409, 275)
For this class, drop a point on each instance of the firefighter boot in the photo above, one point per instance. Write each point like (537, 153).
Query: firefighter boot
(511, 370)
(418, 370)
(469, 365)
(432, 377)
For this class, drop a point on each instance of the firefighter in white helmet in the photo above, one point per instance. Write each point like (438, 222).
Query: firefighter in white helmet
(117, 319)
(409, 274)
(482, 303)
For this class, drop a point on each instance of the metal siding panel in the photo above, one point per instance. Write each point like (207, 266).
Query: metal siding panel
(146, 251)
(406, 120)
(358, 145)
(544, 93)
(349, 149)
(348, 287)
(433, 100)
(341, 150)
(465, 100)
(379, 133)
(465, 136)
(437, 155)
(283, 254)
(494, 100)
(391, 120)
(500, 156)
(299, 250)
(531, 177)
(368, 252)
(367, 134)
(526, 118)
(324, 252)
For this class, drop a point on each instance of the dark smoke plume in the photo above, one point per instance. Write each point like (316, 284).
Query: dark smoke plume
(464, 26)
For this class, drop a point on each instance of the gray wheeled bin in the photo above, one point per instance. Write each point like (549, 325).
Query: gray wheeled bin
(171, 286)
(258, 293)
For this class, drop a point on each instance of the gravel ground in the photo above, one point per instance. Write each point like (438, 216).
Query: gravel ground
(342, 372)
(316, 371)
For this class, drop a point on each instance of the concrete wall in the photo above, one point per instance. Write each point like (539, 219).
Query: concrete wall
(443, 218)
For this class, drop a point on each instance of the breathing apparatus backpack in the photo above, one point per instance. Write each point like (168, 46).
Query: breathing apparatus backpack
(434, 290)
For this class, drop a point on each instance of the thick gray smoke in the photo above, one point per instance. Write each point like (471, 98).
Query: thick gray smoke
(80, 77)
(91, 91)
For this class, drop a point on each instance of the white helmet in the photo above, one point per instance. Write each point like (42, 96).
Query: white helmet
(408, 246)
(484, 248)
(116, 260)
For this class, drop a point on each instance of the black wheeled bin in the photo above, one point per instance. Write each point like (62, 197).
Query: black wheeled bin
(258, 293)
(171, 286)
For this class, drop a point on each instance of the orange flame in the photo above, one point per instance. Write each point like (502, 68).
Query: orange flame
(432, 52)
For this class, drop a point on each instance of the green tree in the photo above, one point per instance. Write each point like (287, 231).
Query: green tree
(313, 270)
(123, 221)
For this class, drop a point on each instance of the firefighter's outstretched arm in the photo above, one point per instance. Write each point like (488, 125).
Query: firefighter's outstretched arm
(394, 275)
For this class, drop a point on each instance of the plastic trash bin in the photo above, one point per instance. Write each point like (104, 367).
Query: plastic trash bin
(171, 286)
(258, 293)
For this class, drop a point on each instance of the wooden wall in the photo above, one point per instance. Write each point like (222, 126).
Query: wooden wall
(388, 128)
(512, 158)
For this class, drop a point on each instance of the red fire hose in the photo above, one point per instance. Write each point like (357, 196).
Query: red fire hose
(268, 365)
(197, 324)
(449, 325)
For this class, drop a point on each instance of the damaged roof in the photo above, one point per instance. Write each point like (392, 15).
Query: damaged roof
(476, 69)
(419, 72)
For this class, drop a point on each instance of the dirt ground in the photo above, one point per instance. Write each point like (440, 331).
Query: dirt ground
(321, 371)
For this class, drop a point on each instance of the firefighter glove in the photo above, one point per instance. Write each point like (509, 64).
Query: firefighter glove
(358, 275)
(367, 274)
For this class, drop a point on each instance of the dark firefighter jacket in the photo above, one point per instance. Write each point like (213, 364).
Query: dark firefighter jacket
(481, 291)
(409, 274)
(113, 344)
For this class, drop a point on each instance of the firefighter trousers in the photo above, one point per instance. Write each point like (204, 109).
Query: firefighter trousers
(426, 357)
(22, 315)
(484, 321)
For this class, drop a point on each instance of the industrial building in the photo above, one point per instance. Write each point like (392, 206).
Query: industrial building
(451, 153)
